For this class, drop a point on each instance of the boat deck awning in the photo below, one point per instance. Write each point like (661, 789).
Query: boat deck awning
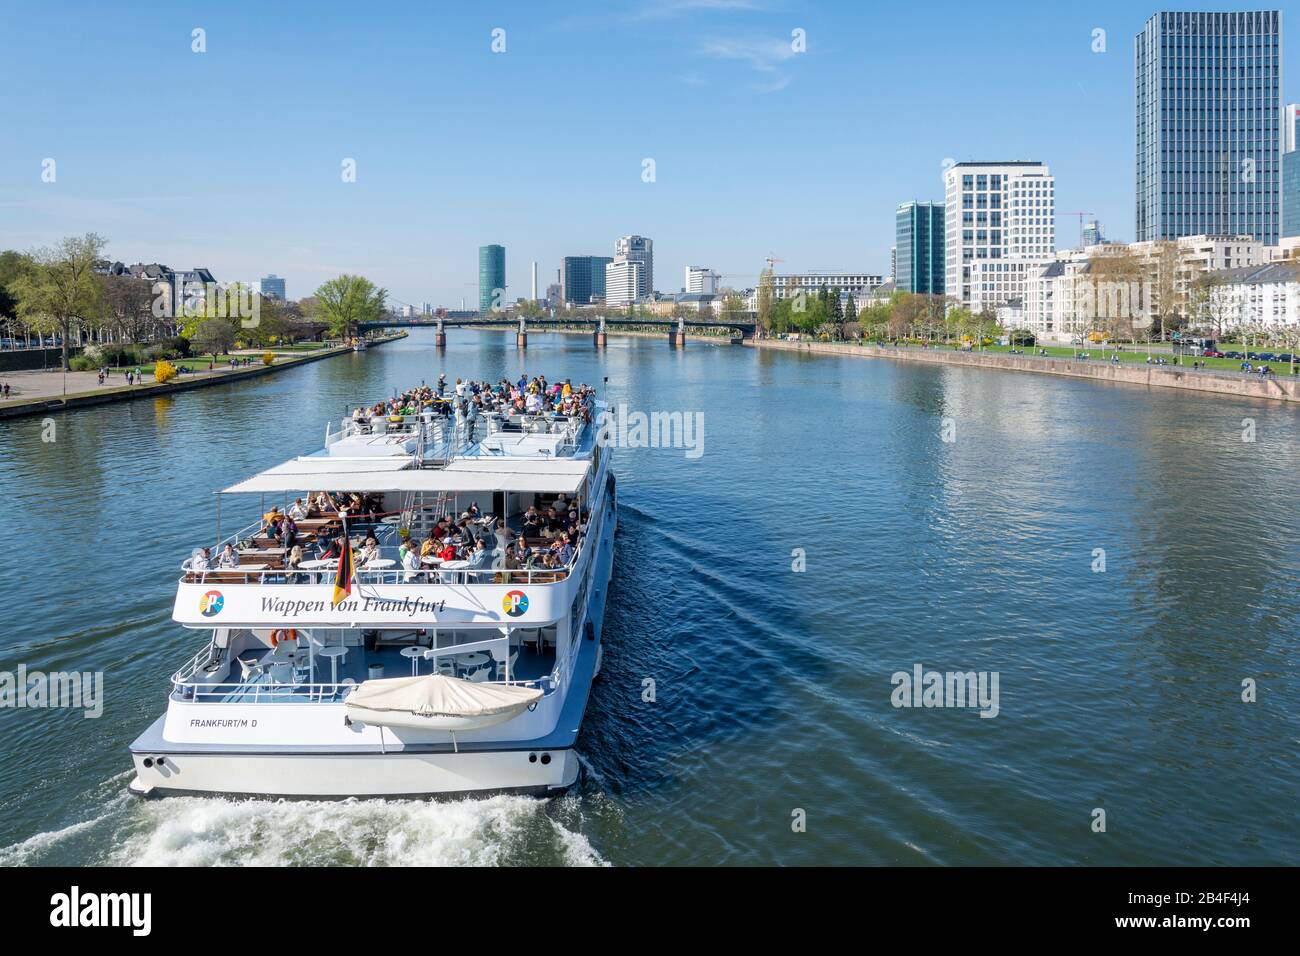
(381, 475)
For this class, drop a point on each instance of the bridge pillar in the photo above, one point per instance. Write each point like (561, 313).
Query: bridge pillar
(677, 336)
(521, 337)
(601, 338)
(440, 340)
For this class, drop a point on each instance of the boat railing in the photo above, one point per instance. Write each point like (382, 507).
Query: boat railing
(363, 576)
(282, 692)
(432, 575)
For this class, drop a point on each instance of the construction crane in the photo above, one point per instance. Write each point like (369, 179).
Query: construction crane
(1080, 215)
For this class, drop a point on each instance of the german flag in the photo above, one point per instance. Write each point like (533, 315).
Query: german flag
(343, 575)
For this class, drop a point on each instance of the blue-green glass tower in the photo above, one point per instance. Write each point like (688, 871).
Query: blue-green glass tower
(491, 276)
(1209, 125)
(1291, 194)
(919, 248)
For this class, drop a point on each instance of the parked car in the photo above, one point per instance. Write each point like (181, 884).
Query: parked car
(1214, 353)
(1232, 355)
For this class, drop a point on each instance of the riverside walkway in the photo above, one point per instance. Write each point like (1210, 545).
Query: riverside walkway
(39, 392)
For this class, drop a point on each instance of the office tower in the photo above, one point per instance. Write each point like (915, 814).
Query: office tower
(700, 280)
(1291, 194)
(491, 277)
(1209, 125)
(272, 287)
(625, 281)
(999, 212)
(640, 249)
(582, 279)
(919, 248)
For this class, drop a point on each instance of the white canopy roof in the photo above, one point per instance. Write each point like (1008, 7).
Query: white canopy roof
(520, 466)
(375, 475)
(318, 471)
(439, 696)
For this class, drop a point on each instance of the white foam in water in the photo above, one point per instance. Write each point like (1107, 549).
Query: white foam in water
(190, 831)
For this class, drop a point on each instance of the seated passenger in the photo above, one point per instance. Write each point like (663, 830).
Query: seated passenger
(229, 557)
(293, 564)
(410, 561)
(297, 510)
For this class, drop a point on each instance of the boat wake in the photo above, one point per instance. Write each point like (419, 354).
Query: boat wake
(199, 831)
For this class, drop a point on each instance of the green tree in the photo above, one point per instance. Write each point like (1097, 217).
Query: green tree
(60, 291)
(765, 300)
(347, 301)
(875, 319)
(215, 334)
(12, 265)
(733, 309)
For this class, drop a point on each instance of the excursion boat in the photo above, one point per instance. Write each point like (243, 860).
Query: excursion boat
(452, 677)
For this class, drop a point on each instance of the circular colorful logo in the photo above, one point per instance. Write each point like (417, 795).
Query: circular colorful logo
(211, 603)
(514, 603)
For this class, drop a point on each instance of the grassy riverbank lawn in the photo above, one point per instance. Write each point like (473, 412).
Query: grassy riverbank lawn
(1136, 354)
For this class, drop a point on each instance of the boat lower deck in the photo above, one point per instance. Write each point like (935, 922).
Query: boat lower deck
(310, 675)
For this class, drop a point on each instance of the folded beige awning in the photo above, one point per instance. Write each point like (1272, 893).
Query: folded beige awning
(440, 696)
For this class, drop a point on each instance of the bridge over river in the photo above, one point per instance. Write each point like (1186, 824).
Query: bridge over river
(742, 330)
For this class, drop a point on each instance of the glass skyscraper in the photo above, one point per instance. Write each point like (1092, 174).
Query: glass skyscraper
(491, 276)
(1209, 122)
(919, 248)
(584, 277)
(1291, 194)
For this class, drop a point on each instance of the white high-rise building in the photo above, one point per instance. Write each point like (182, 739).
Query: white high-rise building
(534, 280)
(996, 212)
(638, 249)
(625, 281)
(701, 280)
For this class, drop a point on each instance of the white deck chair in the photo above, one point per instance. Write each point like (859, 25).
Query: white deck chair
(480, 675)
(249, 669)
(444, 663)
(504, 667)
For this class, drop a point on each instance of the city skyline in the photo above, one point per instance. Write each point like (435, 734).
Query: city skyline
(433, 139)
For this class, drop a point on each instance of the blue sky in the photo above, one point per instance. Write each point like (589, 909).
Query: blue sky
(231, 159)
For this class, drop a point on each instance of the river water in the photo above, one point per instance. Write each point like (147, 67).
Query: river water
(772, 737)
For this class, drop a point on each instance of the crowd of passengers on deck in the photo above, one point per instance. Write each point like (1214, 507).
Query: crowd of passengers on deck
(545, 542)
(473, 400)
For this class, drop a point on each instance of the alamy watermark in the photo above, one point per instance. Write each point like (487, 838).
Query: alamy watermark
(207, 300)
(75, 908)
(653, 430)
(957, 689)
(74, 690)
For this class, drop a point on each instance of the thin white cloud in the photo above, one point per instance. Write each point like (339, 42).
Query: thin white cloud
(764, 55)
(780, 83)
(677, 8)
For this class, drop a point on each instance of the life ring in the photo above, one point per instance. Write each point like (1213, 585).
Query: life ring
(277, 636)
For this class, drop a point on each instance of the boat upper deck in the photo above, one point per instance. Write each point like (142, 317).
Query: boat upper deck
(429, 489)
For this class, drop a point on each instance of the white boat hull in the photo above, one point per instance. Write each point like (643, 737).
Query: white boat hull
(334, 776)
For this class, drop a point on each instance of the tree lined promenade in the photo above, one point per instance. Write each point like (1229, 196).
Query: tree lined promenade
(36, 392)
(68, 295)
